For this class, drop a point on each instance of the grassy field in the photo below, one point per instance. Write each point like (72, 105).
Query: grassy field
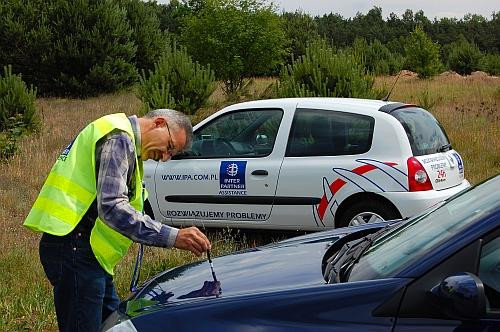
(467, 108)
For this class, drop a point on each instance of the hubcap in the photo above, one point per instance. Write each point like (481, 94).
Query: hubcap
(365, 218)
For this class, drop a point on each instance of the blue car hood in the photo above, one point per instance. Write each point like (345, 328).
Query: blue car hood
(289, 264)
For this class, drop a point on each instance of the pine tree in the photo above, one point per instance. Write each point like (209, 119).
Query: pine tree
(422, 55)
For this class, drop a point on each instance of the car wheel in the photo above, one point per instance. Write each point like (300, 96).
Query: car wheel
(367, 212)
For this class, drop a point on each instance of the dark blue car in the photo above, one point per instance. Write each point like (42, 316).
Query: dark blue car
(439, 271)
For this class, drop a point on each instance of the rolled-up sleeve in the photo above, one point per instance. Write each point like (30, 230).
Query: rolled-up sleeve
(116, 163)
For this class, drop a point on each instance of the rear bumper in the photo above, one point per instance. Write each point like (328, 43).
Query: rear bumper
(411, 203)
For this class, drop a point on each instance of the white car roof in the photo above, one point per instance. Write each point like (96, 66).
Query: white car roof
(350, 104)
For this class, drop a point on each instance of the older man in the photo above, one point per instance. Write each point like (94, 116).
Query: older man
(89, 210)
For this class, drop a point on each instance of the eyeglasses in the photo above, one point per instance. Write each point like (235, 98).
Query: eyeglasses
(170, 147)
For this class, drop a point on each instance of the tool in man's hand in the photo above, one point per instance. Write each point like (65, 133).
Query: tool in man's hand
(211, 265)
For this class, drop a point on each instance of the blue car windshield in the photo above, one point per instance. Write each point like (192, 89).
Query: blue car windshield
(403, 245)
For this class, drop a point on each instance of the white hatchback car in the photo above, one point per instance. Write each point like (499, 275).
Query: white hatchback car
(306, 164)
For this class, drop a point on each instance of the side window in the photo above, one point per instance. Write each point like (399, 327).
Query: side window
(249, 133)
(489, 273)
(329, 133)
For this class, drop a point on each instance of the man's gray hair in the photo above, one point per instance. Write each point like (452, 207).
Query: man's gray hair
(179, 121)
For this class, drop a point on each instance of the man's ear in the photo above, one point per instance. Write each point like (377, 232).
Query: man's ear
(159, 122)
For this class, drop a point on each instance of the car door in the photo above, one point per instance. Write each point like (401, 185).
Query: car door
(323, 149)
(487, 253)
(229, 177)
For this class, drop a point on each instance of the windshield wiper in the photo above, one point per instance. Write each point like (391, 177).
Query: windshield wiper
(444, 148)
(340, 265)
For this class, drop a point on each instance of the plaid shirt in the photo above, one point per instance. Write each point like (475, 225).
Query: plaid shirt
(115, 166)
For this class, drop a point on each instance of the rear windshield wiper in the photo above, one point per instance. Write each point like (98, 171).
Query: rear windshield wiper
(340, 265)
(444, 148)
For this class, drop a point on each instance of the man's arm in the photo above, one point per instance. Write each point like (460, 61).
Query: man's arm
(116, 167)
(116, 163)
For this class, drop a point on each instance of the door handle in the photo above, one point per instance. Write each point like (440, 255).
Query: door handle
(260, 172)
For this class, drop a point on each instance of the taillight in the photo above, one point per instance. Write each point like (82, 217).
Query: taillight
(418, 180)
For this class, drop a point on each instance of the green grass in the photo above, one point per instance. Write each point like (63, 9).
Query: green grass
(25, 295)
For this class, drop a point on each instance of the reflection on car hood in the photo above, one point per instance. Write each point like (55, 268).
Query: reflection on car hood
(289, 264)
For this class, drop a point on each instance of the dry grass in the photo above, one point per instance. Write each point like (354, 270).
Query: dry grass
(467, 107)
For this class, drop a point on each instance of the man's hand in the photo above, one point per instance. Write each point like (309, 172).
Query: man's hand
(192, 239)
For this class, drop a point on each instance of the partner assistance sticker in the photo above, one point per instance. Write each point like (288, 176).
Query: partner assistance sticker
(232, 175)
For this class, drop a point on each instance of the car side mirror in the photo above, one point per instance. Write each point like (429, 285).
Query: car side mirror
(460, 296)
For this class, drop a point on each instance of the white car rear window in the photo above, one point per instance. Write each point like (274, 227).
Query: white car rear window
(425, 133)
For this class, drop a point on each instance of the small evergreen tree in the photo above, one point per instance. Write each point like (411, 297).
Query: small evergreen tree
(92, 48)
(422, 55)
(25, 38)
(18, 114)
(377, 58)
(464, 57)
(176, 82)
(323, 72)
(490, 63)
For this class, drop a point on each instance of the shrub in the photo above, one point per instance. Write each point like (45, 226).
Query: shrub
(490, 63)
(25, 38)
(92, 48)
(427, 100)
(464, 57)
(422, 55)
(17, 111)
(377, 58)
(323, 72)
(176, 82)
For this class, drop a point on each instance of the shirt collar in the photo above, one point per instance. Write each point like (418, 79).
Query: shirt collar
(137, 134)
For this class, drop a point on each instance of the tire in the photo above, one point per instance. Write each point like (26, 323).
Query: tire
(367, 212)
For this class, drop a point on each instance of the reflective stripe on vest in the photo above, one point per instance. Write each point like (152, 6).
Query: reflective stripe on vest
(70, 189)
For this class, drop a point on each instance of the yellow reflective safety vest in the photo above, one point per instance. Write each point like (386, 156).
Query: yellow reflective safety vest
(70, 189)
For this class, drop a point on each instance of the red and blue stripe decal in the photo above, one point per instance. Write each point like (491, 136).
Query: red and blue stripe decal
(330, 190)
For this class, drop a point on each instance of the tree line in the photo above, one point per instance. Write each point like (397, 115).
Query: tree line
(173, 54)
(86, 47)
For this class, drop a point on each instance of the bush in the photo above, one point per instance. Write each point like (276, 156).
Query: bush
(322, 72)
(17, 112)
(464, 57)
(427, 100)
(25, 38)
(490, 63)
(377, 58)
(422, 55)
(92, 48)
(176, 82)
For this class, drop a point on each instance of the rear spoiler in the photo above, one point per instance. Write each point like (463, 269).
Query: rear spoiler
(394, 106)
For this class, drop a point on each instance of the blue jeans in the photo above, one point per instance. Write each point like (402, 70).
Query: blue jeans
(84, 294)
